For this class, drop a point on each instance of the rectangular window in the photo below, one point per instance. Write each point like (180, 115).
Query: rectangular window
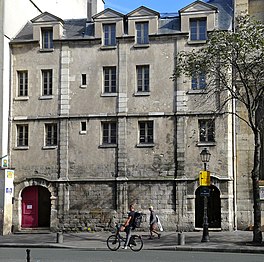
(207, 130)
(84, 82)
(143, 78)
(47, 82)
(47, 38)
(198, 29)
(109, 34)
(198, 81)
(22, 83)
(110, 79)
(51, 134)
(22, 135)
(142, 33)
(109, 132)
(146, 132)
(83, 126)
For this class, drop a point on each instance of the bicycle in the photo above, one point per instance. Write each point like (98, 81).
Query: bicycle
(114, 241)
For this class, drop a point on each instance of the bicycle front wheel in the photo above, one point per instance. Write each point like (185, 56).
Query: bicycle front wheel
(136, 243)
(113, 242)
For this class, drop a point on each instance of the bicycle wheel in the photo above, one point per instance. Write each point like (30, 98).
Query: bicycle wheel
(136, 243)
(113, 242)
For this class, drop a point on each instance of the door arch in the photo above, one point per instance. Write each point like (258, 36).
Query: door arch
(36, 207)
(213, 209)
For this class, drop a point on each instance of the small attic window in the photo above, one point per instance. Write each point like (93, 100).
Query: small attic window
(198, 29)
(47, 38)
(142, 33)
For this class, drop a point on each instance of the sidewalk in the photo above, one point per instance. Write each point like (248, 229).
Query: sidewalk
(237, 241)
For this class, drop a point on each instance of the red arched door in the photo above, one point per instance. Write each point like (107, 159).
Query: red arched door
(30, 207)
(35, 207)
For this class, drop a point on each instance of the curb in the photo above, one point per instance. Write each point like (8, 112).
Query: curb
(169, 248)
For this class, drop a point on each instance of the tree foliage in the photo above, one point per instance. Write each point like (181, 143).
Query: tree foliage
(233, 62)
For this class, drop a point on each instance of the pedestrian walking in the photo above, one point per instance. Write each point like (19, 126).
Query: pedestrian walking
(153, 223)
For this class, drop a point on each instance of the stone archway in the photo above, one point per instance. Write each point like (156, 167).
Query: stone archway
(36, 207)
(214, 208)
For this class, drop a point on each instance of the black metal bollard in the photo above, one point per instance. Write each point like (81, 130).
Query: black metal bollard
(60, 237)
(181, 239)
(28, 255)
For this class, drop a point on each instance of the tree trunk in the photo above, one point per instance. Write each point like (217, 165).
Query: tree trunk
(257, 234)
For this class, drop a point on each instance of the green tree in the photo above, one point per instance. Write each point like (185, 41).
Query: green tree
(233, 63)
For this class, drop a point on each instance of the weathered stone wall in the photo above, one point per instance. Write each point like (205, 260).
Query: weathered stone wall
(92, 204)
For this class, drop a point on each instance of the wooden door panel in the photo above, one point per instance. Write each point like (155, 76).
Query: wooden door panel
(30, 207)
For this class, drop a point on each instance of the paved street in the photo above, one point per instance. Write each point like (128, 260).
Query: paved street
(237, 241)
(77, 255)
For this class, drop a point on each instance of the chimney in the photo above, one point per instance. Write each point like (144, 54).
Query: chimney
(89, 10)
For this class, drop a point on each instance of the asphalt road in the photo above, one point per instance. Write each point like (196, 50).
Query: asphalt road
(75, 255)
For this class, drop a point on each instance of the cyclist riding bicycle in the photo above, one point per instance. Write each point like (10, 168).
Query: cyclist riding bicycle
(128, 225)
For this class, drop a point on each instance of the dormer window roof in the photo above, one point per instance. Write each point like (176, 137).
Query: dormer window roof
(143, 11)
(47, 18)
(196, 6)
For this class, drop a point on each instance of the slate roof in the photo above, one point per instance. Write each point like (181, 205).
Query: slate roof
(169, 23)
(226, 13)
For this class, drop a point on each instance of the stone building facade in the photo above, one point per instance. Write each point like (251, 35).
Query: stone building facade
(97, 123)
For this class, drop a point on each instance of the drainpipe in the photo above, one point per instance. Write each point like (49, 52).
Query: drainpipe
(234, 149)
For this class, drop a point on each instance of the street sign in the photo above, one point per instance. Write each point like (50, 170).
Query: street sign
(204, 178)
(205, 191)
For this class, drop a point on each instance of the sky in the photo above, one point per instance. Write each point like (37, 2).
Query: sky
(161, 6)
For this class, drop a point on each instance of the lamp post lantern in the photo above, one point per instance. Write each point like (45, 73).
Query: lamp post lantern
(205, 157)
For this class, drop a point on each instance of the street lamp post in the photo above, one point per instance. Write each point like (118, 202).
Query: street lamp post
(205, 157)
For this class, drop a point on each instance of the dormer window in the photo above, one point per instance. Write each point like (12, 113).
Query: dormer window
(47, 38)
(198, 29)
(142, 33)
(109, 34)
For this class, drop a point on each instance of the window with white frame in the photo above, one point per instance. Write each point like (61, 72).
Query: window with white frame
(46, 82)
(198, 81)
(109, 34)
(109, 79)
(84, 80)
(142, 33)
(146, 132)
(47, 38)
(51, 134)
(198, 29)
(207, 130)
(109, 133)
(22, 83)
(83, 127)
(143, 78)
(22, 135)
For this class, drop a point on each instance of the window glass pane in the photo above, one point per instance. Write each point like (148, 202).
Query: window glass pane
(207, 130)
(109, 133)
(142, 33)
(109, 34)
(109, 79)
(22, 83)
(198, 29)
(202, 29)
(51, 134)
(84, 79)
(83, 126)
(146, 132)
(47, 38)
(143, 78)
(22, 135)
(47, 82)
